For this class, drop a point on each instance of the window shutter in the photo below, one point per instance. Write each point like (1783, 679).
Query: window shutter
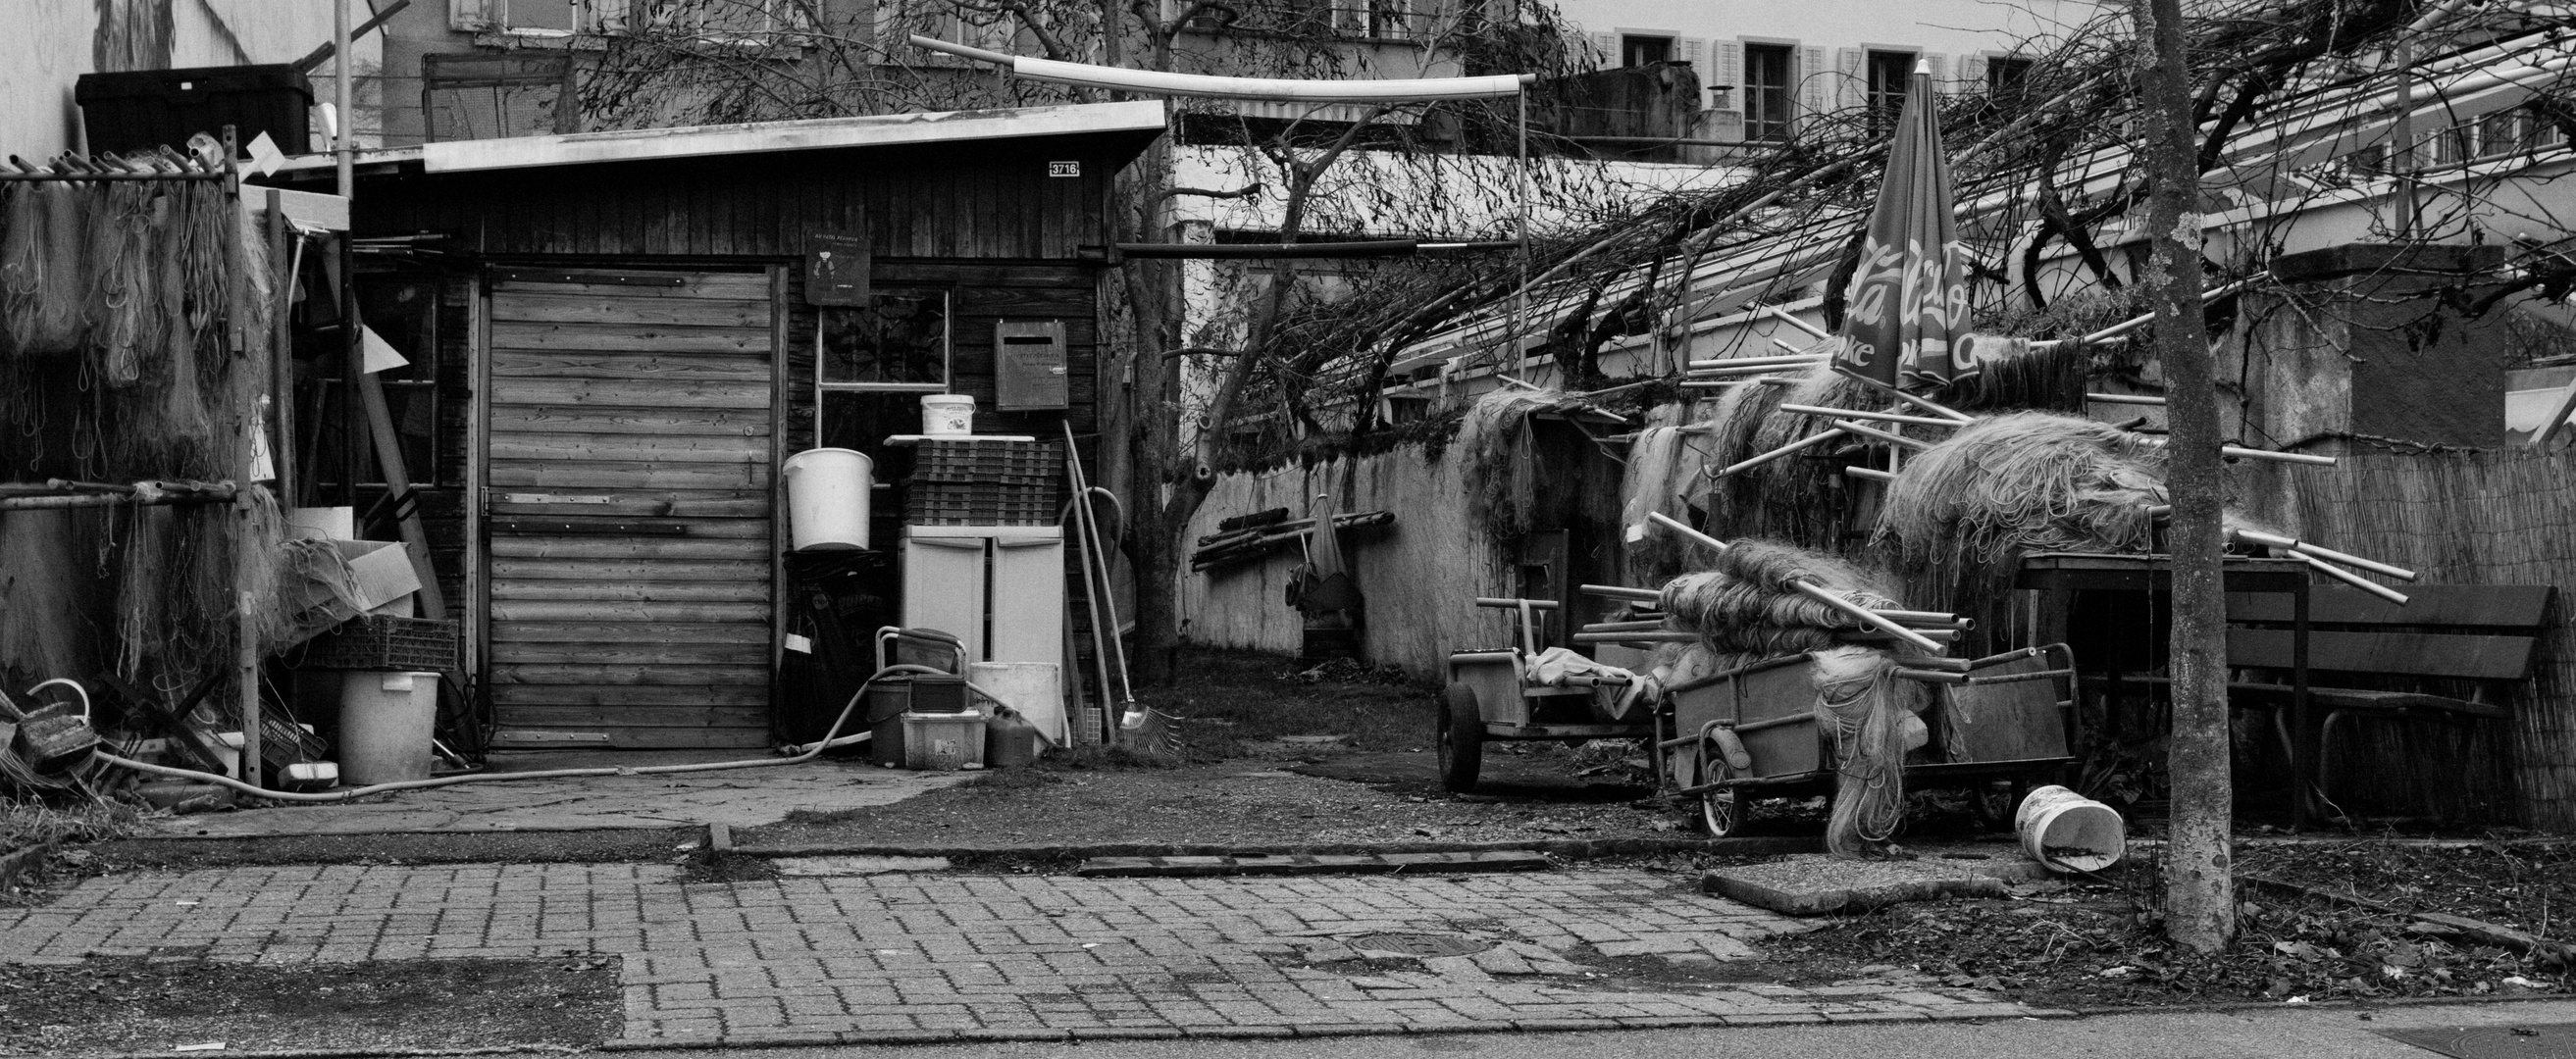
(1972, 72)
(1727, 71)
(1940, 67)
(1695, 52)
(1854, 81)
(1605, 49)
(1812, 73)
(472, 14)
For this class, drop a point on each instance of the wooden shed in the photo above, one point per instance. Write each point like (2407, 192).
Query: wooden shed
(614, 343)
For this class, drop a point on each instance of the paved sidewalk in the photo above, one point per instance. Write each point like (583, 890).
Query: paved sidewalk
(891, 958)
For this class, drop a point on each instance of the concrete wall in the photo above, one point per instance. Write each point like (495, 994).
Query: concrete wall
(1420, 576)
(51, 43)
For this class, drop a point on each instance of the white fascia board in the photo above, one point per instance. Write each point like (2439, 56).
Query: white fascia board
(886, 130)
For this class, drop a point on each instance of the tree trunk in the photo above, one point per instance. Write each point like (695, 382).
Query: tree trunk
(2200, 907)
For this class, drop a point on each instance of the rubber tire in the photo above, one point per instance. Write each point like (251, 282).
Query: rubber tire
(1462, 739)
(1721, 812)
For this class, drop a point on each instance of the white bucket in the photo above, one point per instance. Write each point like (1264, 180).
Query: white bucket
(947, 414)
(827, 498)
(2066, 831)
(1033, 688)
(385, 722)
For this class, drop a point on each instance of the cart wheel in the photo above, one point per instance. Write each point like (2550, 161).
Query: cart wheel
(1462, 740)
(1720, 811)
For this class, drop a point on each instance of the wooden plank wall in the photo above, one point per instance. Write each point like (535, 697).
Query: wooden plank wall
(964, 201)
(630, 472)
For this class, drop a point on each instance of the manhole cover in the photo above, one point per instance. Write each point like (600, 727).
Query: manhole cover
(2535, 1041)
(1419, 945)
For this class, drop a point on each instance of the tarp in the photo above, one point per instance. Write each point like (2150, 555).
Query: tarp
(1906, 312)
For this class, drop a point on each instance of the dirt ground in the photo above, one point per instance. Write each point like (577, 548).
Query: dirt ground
(1270, 753)
(2097, 942)
(128, 1006)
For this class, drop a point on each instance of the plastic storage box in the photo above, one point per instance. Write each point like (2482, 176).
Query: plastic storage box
(142, 109)
(943, 742)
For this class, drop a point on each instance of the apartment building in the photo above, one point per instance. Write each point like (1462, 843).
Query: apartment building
(1764, 65)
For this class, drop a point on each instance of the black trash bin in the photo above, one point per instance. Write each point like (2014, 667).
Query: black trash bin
(138, 110)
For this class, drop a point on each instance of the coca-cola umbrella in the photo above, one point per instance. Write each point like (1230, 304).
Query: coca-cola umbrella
(1905, 314)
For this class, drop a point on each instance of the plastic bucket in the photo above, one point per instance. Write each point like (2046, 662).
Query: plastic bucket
(385, 721)
(1032, 688)
(947, 414)
(827, 498)
(2066, 831)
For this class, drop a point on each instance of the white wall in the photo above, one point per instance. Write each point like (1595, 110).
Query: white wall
(50, 43)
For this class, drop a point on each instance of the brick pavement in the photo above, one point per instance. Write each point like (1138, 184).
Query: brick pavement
(929, 957)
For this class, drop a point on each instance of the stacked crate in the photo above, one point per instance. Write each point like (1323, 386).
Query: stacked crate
(985, 483)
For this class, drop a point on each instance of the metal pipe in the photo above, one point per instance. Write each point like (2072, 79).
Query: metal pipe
(1884, 417)
(1864, 430)
(2355, 580)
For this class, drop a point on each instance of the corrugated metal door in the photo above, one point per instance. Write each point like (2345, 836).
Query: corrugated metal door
(629, 440)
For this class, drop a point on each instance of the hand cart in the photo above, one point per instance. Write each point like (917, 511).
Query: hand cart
(1493, 696)
(2000, 725)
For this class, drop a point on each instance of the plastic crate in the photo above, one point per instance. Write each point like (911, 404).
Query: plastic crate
(375, 641)
(1005, 462)
(982, 504)
(139, 110)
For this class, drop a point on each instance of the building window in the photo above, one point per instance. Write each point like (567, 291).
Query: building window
(2005, 76)
(1644, 51)
(1770, 84)
(1889, 74)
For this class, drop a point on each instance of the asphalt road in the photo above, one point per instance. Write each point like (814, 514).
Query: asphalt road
(2278, 1033)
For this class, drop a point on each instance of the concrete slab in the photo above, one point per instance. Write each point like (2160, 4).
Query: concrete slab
(1817, 884)
(745, 797)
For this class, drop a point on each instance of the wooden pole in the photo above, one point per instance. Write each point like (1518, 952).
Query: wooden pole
(246, 381)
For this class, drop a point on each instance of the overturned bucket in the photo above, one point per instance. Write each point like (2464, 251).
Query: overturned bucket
(2065, 831)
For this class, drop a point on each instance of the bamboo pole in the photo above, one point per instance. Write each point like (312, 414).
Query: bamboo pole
(1737, 362)
(1867, 431)
(2355, 580)
(1823, 595)
(1923, 403)
(1785, 316)
(1778, 453)
(1884, 417)
(2322, 552)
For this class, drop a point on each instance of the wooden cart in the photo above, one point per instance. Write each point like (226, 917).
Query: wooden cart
(2000, 725)
(1491, 696)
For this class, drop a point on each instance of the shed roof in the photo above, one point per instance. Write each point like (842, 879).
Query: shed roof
(1138, 122)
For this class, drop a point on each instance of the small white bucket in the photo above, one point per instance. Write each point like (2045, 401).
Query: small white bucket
(385, 723)
(827, 498)
(2066, 831)
(947, 414)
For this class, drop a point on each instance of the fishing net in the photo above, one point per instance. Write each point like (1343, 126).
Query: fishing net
(120, 309)
(1862, 708)
(1971, 505)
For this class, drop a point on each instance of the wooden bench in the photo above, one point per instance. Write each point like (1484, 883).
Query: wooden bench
(2481, 637)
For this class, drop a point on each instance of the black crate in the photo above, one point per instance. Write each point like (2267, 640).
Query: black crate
(384, 642)
(1012, 462)
(982, 503)
(139, 110)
